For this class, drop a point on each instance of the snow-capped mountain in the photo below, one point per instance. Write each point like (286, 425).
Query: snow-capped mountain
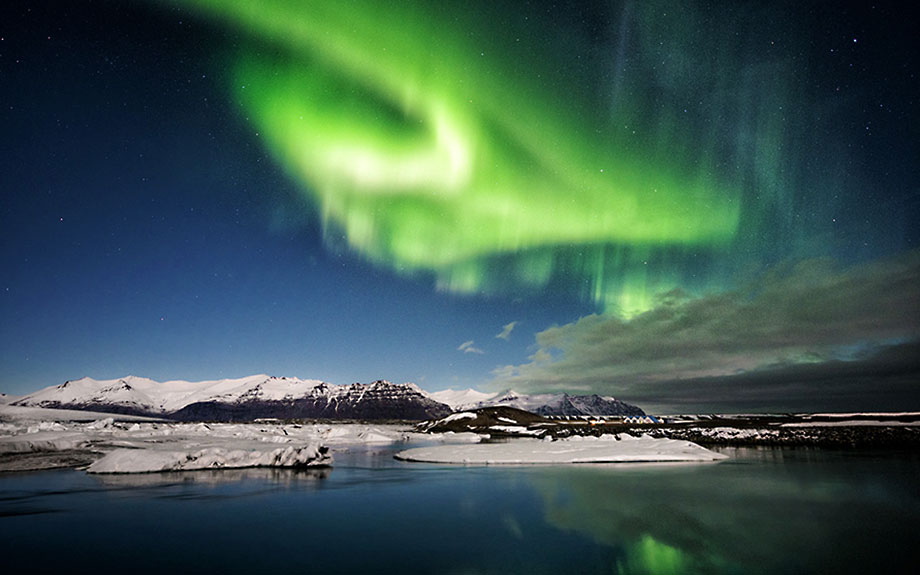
(262, 396)
(588, 405)
(541, 404)
(241, 399)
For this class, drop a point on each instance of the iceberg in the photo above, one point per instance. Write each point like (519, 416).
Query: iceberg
(154, 460)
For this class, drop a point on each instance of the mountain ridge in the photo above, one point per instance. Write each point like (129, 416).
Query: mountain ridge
(264, 396)
(242, 399)
(540, 404)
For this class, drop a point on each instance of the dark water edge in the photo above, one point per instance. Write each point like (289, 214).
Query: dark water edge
(765, 510)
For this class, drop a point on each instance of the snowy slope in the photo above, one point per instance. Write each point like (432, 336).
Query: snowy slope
(166, 397)
(85, 393)
(462, 399)
(531, 403)
(472, 399)
(178, 394)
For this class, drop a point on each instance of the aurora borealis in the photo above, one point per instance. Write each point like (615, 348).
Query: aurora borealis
(429, 155)
(353, 190)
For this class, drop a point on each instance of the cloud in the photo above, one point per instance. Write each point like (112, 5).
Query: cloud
(804, 318)
(506, 331)
(467, 347)
(888, 380)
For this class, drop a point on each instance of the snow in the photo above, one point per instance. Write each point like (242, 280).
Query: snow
(583, 450)
(458, 416)
(512, 398)
(462, 399)
(517, 429)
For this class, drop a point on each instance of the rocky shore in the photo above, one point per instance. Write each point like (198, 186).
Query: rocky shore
(857, 436)
(859, 430)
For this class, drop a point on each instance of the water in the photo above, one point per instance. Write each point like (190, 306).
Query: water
(763, 511)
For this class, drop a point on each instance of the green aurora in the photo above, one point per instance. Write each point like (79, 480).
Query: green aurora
(462, 143)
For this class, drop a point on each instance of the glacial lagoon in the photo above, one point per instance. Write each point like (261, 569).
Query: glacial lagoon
(760, 511)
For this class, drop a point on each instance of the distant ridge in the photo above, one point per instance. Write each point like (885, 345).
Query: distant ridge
(540, 404)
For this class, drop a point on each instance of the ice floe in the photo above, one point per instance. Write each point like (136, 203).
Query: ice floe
(605, 449)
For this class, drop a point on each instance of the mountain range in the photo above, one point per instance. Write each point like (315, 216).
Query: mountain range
(540, 404)
(263, 396)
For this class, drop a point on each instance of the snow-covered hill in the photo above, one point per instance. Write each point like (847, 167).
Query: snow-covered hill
(243, 399)
(541, 404)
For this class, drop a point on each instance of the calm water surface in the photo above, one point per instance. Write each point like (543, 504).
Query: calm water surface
(763, 511)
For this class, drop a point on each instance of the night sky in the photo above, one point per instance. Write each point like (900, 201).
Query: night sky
(693, 206)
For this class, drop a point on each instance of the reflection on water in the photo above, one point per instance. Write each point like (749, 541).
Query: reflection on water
(765, 511)
(762, 511)
(262, 475)
(650, 556)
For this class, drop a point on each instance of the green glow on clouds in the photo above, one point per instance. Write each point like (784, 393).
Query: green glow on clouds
(439, 141)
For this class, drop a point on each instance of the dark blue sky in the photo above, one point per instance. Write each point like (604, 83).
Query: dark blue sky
(146, 226)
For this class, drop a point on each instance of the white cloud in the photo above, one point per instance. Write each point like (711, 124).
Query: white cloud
(506, 331)
(468, 347)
